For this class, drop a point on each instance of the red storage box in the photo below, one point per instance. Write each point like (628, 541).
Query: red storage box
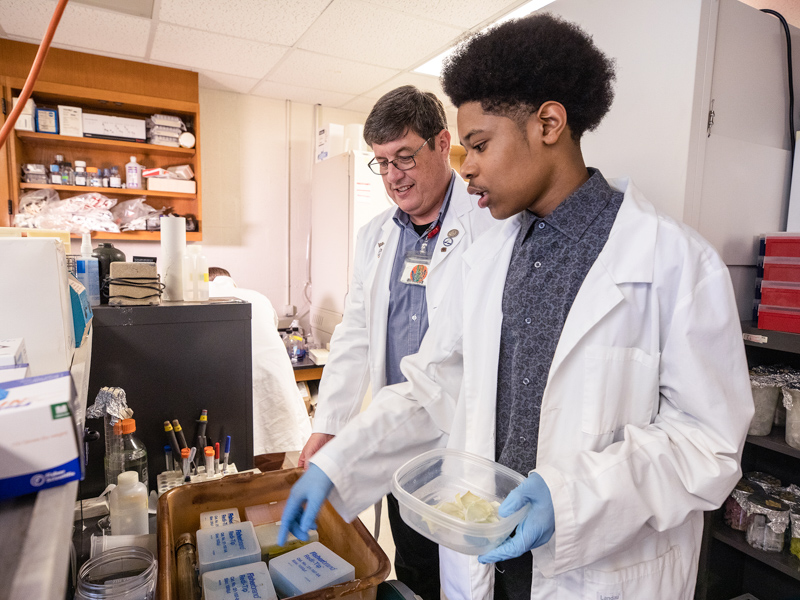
(777, 318)
(781, 268)
(782, 244)
(778, 293)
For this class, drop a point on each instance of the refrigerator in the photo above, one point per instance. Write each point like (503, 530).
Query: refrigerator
(345, 196)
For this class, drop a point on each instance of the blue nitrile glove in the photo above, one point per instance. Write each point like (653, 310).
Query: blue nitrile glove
(310, 490)
(535, 529)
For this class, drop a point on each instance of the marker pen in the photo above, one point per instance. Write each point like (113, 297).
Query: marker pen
(176, 449)
(216, 458)
(209, 452)
(227, 454)
(201, 428)
(179, 433)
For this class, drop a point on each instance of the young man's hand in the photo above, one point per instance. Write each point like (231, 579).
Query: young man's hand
(305, 500)
(535, 529)
(314, 443)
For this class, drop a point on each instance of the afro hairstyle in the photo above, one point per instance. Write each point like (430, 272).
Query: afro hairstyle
(515, 67)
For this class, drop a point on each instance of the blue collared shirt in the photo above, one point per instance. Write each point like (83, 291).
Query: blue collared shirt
(408, 309)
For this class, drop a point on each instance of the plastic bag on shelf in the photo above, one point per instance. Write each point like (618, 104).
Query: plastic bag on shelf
(78, 214)
(132, 215)
(31, 204)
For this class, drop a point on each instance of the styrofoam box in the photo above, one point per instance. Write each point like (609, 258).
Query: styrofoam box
(239, 583)
(219, 518)
(229, 546)
(308, 569)
(35, 303)
(182, 186)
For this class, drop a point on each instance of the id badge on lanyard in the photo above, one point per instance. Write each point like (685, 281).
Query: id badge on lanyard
(417, 264)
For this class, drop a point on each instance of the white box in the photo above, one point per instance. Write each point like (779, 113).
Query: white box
(46, 120)
(162, 184)
(13, 373)
(38, 437)
(330, 141)
(229, 546)
(308, 569)
(35, 303)
(219, 518)
(25, 122)
(70, 120)
(114, 128)
(239, 583)
(12, 352)
(30, 106)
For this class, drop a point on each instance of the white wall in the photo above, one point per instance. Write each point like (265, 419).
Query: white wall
(250, 214)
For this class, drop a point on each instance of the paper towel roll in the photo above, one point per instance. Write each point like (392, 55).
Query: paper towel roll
(173, 247)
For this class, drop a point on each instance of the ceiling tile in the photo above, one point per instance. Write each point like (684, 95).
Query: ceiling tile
(213, 51)
(307, 69)
(424, 82)
(225, 82)
(388, 38)
(276, 22)
(81, 27)
(360, 104)
(283, 91)
(458, 13)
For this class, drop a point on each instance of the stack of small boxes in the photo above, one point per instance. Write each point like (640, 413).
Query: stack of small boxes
(777, 303)
(165, 130)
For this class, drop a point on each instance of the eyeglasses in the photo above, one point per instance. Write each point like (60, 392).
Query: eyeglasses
(401, 163)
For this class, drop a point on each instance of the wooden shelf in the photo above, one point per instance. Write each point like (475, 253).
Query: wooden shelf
(65, 141)
(776, 441)
(138, 236)
(782, 561)
(106, 191)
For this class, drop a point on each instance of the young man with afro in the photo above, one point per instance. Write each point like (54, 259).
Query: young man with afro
(593, 346)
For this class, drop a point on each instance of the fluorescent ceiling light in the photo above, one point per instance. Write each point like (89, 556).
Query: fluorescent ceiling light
(434, 65)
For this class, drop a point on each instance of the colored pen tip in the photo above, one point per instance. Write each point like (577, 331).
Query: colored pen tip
(167, 426)
(216, 450)
(167, 448)
(228, 443)
(176, 424)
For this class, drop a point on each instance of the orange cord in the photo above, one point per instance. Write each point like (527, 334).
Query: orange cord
(44, 47)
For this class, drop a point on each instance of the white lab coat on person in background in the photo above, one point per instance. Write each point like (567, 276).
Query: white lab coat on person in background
(280, 419)
(643, 418)
(358, 346)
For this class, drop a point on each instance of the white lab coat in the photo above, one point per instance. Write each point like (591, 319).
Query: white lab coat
(643, 418)
(358, 345)
(280, 419)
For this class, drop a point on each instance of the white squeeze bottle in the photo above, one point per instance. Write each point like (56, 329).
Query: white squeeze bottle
(189, 274)
(129, 506)
(88, 271)
(133, 175)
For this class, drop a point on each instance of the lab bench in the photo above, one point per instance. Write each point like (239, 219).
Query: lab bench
(307, 370)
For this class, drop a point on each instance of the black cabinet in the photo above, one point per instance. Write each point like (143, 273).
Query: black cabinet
(173, 361)
(729, 566)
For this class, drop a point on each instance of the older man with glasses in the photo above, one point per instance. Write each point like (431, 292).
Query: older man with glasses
(404, 266)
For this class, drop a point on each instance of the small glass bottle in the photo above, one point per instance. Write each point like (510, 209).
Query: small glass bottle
(134, 454)
(55, 170)
(115, 181)
(67, 173)
(93, 176)
(106, 177)
(80, 173)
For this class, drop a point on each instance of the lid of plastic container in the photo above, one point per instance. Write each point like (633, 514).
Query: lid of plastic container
(128, 426)
(788, 497)
(786, 310)
(783, 285)
(745, 485)
(763, 479)
(127, 478)
(209, 451)
(133, 159)
(768, 502)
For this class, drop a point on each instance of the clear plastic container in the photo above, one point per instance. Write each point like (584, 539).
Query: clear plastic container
(768, 520)
(735, 511)
(791, 400)
(121, 574)
(766, 401)
(437, 476)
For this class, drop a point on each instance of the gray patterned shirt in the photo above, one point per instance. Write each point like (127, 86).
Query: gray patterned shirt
(550, 260)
